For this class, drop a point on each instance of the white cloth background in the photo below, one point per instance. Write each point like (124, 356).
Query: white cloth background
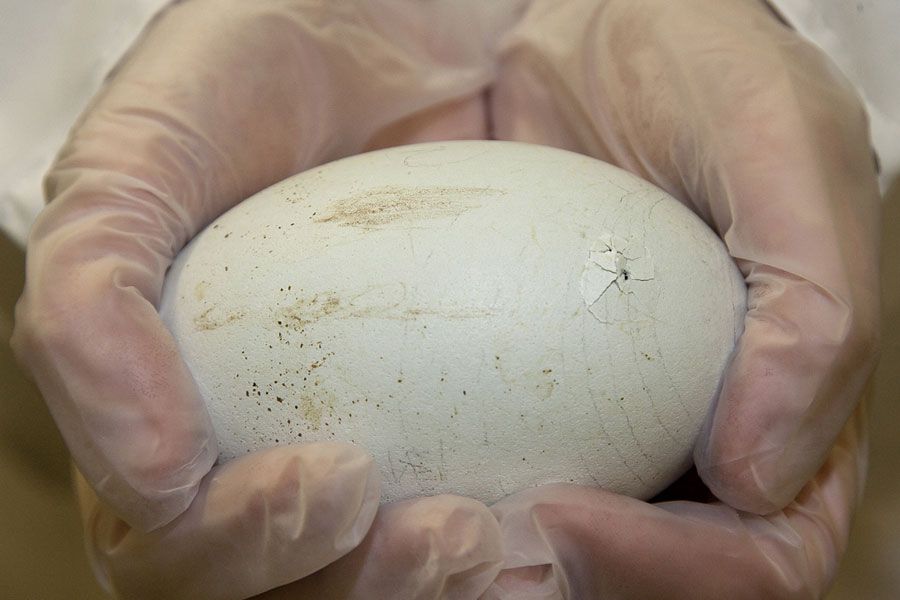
(863, 38)
(54, 55)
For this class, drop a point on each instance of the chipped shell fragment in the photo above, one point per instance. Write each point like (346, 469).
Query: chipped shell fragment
(481, 317)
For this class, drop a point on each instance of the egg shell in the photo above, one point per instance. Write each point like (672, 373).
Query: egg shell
(482, 317)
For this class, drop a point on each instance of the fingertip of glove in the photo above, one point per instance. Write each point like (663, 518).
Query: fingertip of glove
(332, 490)
(357, 472)
(459, 534)
(743, 486)
(454, 525)
(162, 491)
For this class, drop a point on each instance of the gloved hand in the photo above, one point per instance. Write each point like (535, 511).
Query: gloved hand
(219, 99)
(713, 101)
(723, 106)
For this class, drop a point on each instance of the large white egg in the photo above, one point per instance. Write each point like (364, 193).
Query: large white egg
(480, 316)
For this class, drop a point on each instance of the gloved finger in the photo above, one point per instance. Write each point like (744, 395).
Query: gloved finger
(463, 119)
(108, 369)
(441, 547)
(738, 117)
(576, 542)
(258, 522)
(217, 100)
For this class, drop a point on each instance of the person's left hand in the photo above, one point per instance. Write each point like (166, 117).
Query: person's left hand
(731, 112)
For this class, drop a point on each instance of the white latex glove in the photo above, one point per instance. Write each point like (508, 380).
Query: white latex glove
(577, 542)
(291, 513)
(219, 99)
(731, 112)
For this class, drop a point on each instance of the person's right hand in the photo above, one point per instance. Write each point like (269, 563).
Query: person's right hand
(216, 101)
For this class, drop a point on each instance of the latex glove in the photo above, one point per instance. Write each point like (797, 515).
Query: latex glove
(286, 513)
(216, 101)
(720, 104)
(577, 542)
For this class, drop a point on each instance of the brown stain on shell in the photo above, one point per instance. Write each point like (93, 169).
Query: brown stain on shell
(392, 204)
(366, 305)
(200, 290)
(313, 409)
(309, 309)
(206, 321)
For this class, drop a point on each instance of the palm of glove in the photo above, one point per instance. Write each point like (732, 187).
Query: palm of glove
(714, 101)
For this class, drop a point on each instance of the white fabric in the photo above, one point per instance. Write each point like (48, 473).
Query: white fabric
(55, 53)
(861, 38)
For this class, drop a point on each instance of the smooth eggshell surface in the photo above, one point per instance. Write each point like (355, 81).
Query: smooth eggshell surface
(482, 317)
